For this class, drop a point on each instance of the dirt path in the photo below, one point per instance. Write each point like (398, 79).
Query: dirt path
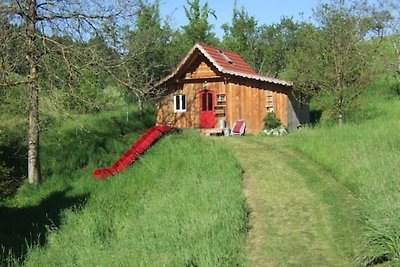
(300, 216)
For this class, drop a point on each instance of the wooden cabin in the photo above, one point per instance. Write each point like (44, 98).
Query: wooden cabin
(212, 88)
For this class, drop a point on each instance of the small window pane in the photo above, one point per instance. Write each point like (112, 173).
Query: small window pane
(183, 102)
(177, 102)
(210, 102)
(204, 102)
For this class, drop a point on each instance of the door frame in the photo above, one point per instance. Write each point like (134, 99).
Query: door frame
(207, 112)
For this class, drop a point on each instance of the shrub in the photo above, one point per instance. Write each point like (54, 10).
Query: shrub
(12, 158)
(278, 131)
(7, 184)
(271, 121)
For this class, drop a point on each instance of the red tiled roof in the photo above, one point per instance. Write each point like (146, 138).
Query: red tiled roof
(236, 63)
(226, 62)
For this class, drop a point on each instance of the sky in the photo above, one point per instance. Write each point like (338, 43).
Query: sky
(265, 11)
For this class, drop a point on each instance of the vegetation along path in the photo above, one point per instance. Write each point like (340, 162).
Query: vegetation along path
(299, 215)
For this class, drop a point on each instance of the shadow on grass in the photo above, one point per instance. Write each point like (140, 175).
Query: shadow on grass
(21, 228)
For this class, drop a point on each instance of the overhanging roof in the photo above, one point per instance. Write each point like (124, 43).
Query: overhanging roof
(225, 62)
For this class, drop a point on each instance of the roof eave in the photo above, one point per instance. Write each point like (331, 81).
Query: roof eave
(221, 69)
(182, 63)
(258, 78)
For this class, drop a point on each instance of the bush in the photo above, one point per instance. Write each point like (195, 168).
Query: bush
(12, 158)
(278, 131)
(271, 121)
(7, 186)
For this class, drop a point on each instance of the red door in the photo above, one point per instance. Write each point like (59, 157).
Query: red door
(207, 116)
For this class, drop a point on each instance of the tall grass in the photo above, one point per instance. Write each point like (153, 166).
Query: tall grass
(86, 139)
(365, 157)
(180, 205)
(70, 150)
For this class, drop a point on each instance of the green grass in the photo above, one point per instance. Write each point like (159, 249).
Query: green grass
(300, 216)
(180, 205)
(167, 210)
(365, 157)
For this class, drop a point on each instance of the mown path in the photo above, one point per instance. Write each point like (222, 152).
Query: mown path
(300, 216)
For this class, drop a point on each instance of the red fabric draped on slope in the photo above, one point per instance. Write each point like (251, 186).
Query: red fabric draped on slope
(140, 146)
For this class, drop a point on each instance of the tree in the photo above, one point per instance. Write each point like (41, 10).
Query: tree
(264, 47)
(198, 29)
(276, 43)
(145, 59)
(335, 58)
(393, 35)
(242, 36)
(37, 22)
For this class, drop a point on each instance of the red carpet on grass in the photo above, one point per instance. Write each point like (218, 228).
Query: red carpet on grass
(140, 146)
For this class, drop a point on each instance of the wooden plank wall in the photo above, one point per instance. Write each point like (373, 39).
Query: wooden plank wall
(281, 106)
(203, 71)
(245, 99)
(242, 102)
(190, 118)
(248, 101)
(245, 102)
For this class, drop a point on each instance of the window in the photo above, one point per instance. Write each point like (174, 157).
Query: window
(180, 103)
(206, 101)
(227, 59)
(210, 102)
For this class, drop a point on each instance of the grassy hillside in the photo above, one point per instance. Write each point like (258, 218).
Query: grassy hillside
(364, 156)
(296, 206)
(181, 204)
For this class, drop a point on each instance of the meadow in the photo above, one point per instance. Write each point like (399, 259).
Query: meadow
(180, 205)
(364, 156)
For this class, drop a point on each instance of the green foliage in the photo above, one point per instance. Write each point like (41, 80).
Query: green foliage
(79, 84)
(241, 35)
(147, 59)
(198, 30)
(333, 58)
(277, 42)
(264, 47)
(371, 147)
(12, 155)
(165, 210)
(7, 186)
(12, 60)
(13, 100)
(90, 139)
(271, 121)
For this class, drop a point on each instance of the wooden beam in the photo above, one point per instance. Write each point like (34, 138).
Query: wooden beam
(200, 80)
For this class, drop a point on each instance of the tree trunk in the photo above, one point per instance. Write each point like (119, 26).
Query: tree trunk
(340, 119)
(34, 176)
(33, 135)
(340, 106)
(141, 108)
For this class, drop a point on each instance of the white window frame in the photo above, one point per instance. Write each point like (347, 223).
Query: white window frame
(182, 103)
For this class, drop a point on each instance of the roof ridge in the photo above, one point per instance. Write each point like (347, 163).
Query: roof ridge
(237, 67)
(209, 57)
